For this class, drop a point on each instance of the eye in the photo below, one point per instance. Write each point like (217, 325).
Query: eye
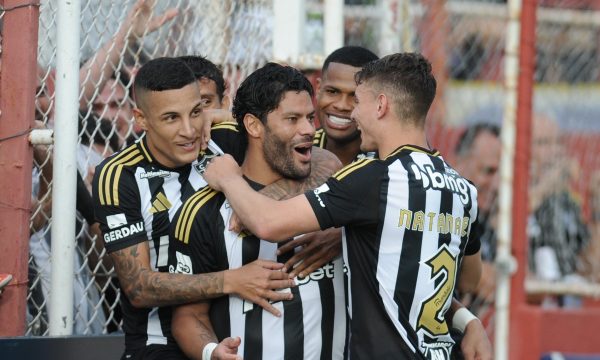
(206, 102)
(311, 118)
(196, 112)
(292, 119)
(331, 91)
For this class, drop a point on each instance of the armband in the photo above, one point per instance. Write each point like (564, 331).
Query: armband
(461, 318)
(208, 350)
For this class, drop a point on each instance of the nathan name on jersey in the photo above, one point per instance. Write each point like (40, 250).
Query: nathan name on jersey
(407, 223)
(313, 324)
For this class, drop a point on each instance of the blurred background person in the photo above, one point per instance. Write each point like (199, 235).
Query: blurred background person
(478, 159)
(556, 230)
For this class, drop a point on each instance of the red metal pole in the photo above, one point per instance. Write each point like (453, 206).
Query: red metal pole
(518, 299)
(17, 103)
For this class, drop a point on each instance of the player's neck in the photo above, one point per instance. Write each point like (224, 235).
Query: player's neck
(256, 168)
(346, 151)
(397, 136)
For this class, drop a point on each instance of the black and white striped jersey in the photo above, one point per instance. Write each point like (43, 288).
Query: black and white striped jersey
(312, 325)
(135, 199)
(320, 140)
(407, 221)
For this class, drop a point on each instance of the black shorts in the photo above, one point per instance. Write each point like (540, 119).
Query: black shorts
(155, 352)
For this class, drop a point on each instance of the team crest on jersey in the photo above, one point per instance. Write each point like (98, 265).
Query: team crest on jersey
(200, 166)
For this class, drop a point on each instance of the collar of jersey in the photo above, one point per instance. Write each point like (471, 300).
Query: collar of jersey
(142, 144)
(416, 148)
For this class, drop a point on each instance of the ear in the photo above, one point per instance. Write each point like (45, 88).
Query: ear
(382, 105)
(253, 125)
(140, 119)
(226, 102)
(318, 83)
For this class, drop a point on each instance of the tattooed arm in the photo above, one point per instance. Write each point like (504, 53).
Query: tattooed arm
(193, 331)
(147, 288)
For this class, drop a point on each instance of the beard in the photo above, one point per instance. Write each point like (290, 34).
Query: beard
(279, 155)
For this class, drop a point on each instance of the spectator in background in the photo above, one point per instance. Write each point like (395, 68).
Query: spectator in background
(114, 104)
(592, 259)
(556, 231)
(478, 159)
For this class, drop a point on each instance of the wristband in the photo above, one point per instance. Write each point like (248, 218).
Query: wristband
(461, 318)
(208, 350)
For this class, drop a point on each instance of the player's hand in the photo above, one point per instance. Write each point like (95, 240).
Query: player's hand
(141, 21)
(235, 223)
(318, 248)
(257, 282)
(227, 349)
(220, 169)
(475, 344)
(217, 116)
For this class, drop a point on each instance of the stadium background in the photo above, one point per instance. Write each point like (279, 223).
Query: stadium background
(481, 77)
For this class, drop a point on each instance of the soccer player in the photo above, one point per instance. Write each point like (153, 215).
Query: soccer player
(136, 193)
(335, 102)
(274, 110)
(407, 219)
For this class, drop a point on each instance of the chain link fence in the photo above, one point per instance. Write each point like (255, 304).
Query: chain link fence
(117, 37)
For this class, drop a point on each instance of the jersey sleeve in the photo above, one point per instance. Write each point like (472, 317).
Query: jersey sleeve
(193, 233)
(351, 196)
(229, 139)
(117, 207)
(474, 242)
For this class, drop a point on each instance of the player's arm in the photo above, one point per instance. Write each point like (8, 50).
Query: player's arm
(470, 273)
(475, 344)
(276, 220)
(471, 268)
(194, 333)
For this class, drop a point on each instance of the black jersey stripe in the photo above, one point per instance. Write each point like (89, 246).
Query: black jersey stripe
(104, 178)
(446, 205)
(328, 314)
(145, 151)
(253, 344)
(293, 328)
(184, 216)
(193, 211)
(185, 209)
(118, 171)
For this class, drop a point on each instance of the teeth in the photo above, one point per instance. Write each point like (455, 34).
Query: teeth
(339, 121)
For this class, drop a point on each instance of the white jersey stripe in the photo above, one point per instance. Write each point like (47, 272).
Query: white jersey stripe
(390, 247)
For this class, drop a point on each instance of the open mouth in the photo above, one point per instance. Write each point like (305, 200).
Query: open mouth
(188, 146)
(339, 121)
(304, 150)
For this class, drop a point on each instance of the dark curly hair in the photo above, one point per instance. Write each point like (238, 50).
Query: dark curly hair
(407, 80)
(262, 91)
(204, 68)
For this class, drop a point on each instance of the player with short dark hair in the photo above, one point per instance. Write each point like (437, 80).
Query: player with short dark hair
(212, 83)
(136, 193)
(407, 219)
(335, 102)
(273, 107)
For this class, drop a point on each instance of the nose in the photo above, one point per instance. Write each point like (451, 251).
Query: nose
(306, 127)
(187, 128)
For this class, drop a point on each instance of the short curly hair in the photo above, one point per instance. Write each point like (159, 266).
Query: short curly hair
(262, 91)
(408, 81)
